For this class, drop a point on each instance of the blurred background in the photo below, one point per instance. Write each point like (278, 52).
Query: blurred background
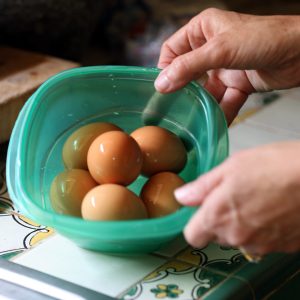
(127, 32)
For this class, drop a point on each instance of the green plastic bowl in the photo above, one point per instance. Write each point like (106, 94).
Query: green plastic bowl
(119, 95)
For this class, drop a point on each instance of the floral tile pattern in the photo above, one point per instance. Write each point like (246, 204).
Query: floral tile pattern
(174, 280)
(214, 257)
(17, 232)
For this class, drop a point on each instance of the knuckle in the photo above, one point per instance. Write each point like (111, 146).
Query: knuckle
(210, 12)
(181, 67)
(165, 45)
(238, 237)
(195, 22)
(211, 220)
(181, 64)
(221, 51)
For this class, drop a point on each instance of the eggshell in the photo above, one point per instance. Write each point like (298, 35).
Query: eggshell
(112, 202)
(114, 157)
(68, 190)
(76, 146)
(162, 150)
(158, 194)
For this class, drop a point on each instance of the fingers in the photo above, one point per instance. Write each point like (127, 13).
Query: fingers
(187, 38)
(192, 65)
(203, 226)
(176, 45)
(246, 211)
(198, 233)
(216, 87)
(232, 101)
(195, 192)
(231, 90)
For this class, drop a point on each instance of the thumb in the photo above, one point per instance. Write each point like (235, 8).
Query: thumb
(214, 54)
(195, 192)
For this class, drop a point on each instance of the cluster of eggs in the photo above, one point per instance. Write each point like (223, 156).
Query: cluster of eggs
(101, 160)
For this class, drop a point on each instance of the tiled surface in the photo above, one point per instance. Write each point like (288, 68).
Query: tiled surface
(224, 260)
(17, 232)
(175, 280)
(110, 275)
(231, 289)
(265, 123)
(269, 273)
(255, 281)
(177, 271)
(287, 289)
(280, 115)
(255, 103)
(244, 135)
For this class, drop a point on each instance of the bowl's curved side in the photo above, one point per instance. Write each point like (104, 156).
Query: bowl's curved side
(220, 132)
(12, 160)
(135, 236)
(218, 141)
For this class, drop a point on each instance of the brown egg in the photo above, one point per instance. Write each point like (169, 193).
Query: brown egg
(76, 146)
(112, 202)
(114, 157)
(162, 150)
(158, 194)
(68, 190)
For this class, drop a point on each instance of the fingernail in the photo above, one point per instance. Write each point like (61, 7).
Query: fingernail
(180, 193)
(162, 82)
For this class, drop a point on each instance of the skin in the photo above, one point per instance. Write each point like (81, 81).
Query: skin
(252, 200)
(240, 54)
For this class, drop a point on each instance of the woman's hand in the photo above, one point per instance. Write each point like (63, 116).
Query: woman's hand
(240, 54)
(252, 200)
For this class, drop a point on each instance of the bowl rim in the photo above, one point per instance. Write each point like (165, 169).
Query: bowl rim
(142, 228)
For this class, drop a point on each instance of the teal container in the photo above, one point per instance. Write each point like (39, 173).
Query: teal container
(124, 96)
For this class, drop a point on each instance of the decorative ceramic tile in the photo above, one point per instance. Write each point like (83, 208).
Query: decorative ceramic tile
(269, 273)
(173, 247)
(108, 274)
(16, 232)
(254, 103)
(248, 135)
(231, 289)
(176, 280)
(225, 260)
(282, 114)
(290, 289)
